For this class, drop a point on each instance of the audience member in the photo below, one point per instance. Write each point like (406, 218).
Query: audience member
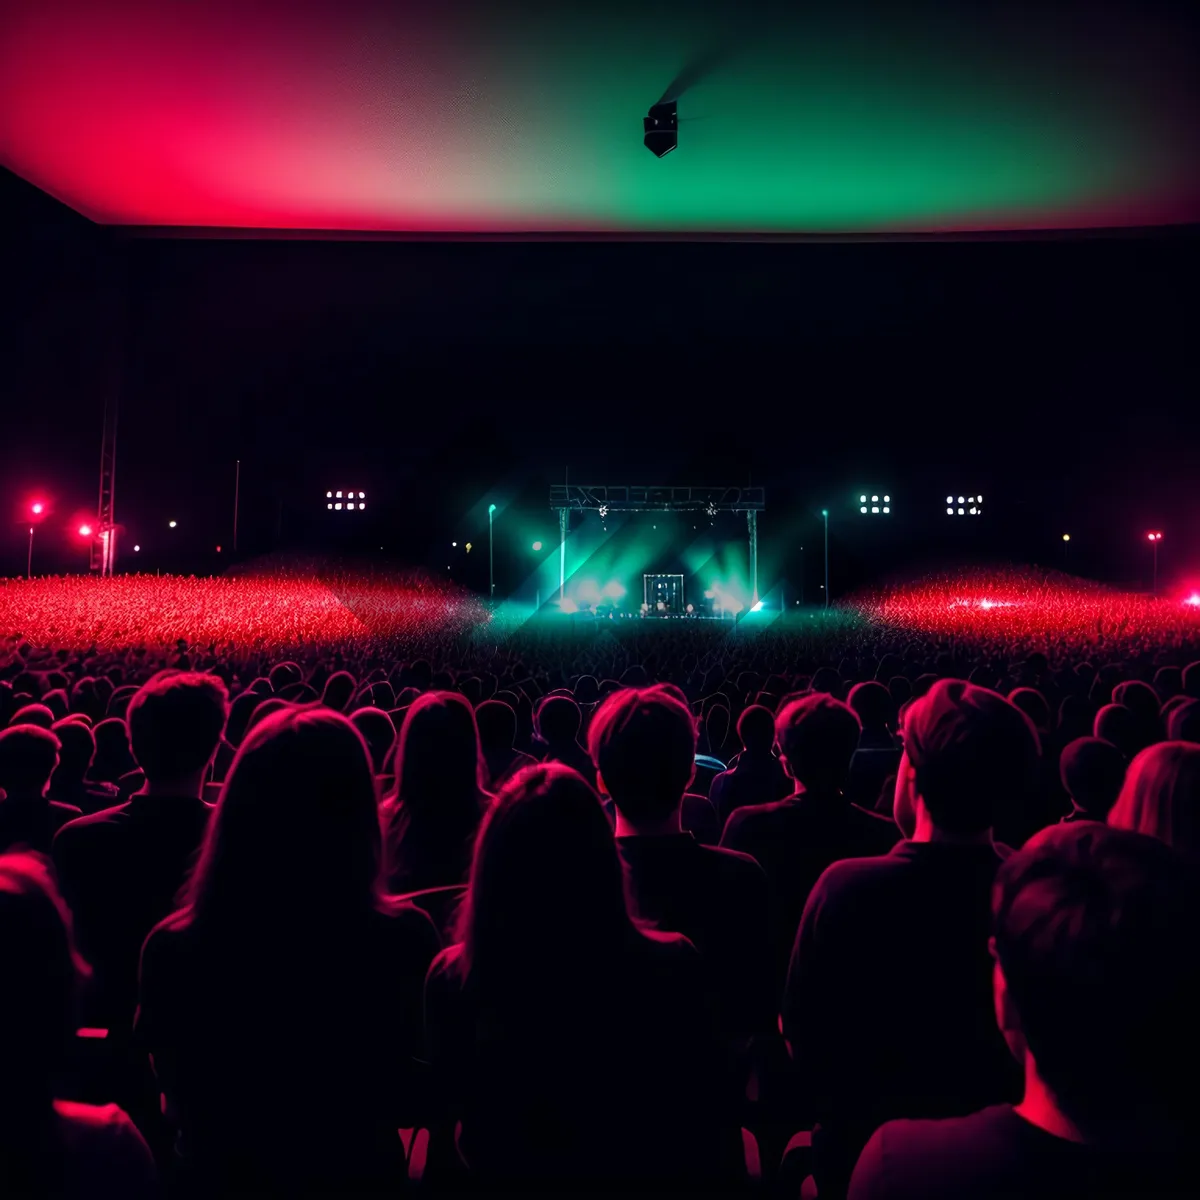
(796, 838)
(121, 868)
(643, 744)
(28, 818)
(756, 775)
(558, 721)
(282, 1003)
(68, 784)
(378, 732)
(1092, 772)
(573, 1045)
(1097, 1006)
(908, 931)
(1184, 723)
(1161, 796)
(438, 797)
(49, 1146)
(497, 723)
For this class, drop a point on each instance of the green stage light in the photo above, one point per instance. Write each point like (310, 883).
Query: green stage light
(536, 547)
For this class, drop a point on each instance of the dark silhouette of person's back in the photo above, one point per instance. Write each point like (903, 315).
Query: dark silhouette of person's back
(559, 720)
(576, 1049)
(28, 818)
(757, 776)
(122, 868)
(283, 1020)
(498, 734)
(796, 838)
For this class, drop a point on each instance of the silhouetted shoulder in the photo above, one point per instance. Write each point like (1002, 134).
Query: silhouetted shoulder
(749, 820)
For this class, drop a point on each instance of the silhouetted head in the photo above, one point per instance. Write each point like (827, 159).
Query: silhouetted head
(1092, 772)
(175, 725)
(643, 744)
(756, 729)
(1033, 704)
(33, 714)
(817, 737)
(378, 732)
(872, 704)
(968, 753)
(1091, 982)
(1115, 723)
(547, 881)
(28, 756)
(283, 675)
(42, 973)
(497, 725)
(296, 829)
(1161, 796)
(340, 688)
(76, 750)
(558, 720)
(438, 751)
(113, 756)
(1184, 723)
(240, 712)
(587, 690)
(1168, 682)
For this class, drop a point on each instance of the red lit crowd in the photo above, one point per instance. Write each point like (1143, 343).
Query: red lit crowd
(309, 897)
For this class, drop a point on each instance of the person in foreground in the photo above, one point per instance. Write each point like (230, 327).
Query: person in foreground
(1096, 996)
(888, 1000)
(282, 1005)
(573, 1047)
(121, 868)
(51, 1147)
(643, 744)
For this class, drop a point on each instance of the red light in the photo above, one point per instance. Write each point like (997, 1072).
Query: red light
(218, 549)
(85, 531)
(1193, 600)
(37, 508)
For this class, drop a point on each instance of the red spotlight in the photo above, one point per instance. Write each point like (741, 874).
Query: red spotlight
(85, 531)
(37, 508)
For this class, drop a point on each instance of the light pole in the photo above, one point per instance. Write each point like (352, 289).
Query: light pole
(1066, 543)
(825, 515)
(491, 554)
(1155, 538)
(36, 510)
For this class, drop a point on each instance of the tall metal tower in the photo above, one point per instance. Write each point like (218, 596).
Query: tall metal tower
(115, 316)
(104, 548)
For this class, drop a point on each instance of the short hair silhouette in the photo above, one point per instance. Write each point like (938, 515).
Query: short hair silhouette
(378, 732)
(756, 729)
(175, 723)
(817, 736)
(1092, 772)
(643, 743)
(559, 719)
(1161, 795)
(1183, 725)
(1087, 921)
(872, 704)
(972, 752)
(497, 725)
(28, 756)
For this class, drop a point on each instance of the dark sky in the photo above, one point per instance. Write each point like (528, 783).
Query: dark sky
(1058, 374)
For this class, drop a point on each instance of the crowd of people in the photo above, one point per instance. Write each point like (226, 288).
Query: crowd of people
(853, 908)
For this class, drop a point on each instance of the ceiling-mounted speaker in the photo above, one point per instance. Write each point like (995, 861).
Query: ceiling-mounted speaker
(662, 128)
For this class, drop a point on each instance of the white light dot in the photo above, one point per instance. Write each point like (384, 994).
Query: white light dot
(974, 512)
(362, 495)
(875, 508)
(328, 495)
(961, 500)
(980, 499)
(339, 495)
(949, 499)
(887, 510)
(863, 509)
(862, 499)
(136, 549)
(362, 506)
(949, 512)
(887, 499)
(874, 499)
(960, 512)
(350, 505)
(330, 507)
(171, 524)
(337, 506)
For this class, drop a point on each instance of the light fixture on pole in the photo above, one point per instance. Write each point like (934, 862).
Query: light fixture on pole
(825, 514)
(491, 554)
(1154, 539)
(37, 510)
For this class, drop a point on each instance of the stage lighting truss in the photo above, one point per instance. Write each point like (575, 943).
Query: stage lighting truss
(875, 505)
(353, 501)
(964, 506)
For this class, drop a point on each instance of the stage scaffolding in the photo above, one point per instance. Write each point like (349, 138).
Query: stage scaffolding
(566, 498)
